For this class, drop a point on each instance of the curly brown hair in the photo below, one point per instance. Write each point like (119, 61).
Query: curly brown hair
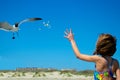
(106, 45)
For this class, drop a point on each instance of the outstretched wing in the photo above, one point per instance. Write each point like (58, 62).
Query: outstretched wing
(27, 20)
(5, 26)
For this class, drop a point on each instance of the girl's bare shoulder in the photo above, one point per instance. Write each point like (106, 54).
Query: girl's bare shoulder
(98, 57)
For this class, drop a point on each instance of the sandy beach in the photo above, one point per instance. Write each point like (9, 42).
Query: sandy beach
(42, 76)
(46, 79)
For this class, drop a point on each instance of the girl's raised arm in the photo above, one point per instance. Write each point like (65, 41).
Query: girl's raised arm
(69, 35)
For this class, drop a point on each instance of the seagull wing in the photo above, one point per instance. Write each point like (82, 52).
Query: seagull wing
(5, 26)
(28, 20)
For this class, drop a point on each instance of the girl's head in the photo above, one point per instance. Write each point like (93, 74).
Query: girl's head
(106, 45)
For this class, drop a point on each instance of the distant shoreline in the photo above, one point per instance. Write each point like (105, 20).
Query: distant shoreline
(34, 69)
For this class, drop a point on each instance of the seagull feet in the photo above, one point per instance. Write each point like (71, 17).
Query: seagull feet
(13, 37)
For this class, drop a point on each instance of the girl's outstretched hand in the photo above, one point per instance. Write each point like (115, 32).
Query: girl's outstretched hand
(69, 35)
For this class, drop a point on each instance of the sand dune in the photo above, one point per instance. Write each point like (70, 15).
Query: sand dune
(42, 76)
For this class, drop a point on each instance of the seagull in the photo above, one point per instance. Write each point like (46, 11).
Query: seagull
(14, 28)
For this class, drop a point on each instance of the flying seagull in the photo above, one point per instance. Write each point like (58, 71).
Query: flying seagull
(14, 28)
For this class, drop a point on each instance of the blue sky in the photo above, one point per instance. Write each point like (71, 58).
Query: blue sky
(47, 48)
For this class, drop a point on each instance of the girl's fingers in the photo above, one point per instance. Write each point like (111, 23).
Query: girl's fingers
(65, 36)
(66, 33)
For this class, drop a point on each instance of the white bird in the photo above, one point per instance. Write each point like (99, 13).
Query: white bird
(14, 28)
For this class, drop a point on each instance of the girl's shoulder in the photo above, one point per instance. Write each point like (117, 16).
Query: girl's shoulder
(100, 60)
(99, 57)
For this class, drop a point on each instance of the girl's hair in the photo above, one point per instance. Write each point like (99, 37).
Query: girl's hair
(106, 45)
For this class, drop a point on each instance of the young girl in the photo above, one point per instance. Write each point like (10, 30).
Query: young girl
(106, 66)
